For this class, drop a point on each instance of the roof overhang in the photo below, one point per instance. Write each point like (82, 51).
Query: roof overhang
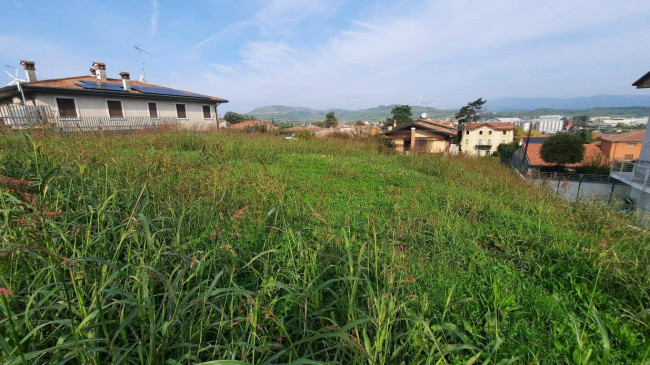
(423, 127)
(10, 91)
(643, 82)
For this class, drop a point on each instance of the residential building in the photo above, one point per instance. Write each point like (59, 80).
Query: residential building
(624, 146)
(528, 156)
(422, 135)
(99, 96)
(483, 138)
(637, 174)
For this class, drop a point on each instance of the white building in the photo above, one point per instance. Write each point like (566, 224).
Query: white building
(548, 123)
(637, 174)
(112, 99)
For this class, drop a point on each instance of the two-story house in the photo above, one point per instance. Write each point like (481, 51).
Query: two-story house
(483, 138)
(101, 98)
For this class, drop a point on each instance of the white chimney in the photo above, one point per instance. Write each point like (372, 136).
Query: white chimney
(126, 80)
(30, 70)
(100, 70)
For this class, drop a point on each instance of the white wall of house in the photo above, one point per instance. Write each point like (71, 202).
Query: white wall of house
(484, 136)
(96, 106)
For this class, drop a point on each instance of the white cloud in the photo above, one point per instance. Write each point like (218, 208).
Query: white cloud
(445, 50)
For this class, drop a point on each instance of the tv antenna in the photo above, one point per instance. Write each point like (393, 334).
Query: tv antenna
(143, 77)
(422, 101)
(16, 81)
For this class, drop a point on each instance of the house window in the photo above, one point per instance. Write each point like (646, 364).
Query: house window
(67, 107)
(629, 156)
(181, 113)
(466, 141)
(487, 153)
(115, 109)
(207, 113)
(480, 132)
(153, 110)
(466, 132)
(631, 144)
(490, 132)
(504, 133)
(503, 141)
(480, 141)
(489, 142)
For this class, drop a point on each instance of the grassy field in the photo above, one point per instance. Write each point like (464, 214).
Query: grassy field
(180, 248)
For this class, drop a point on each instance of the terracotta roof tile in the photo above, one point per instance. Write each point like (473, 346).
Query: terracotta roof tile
(249, 123)
(592, 152)
(633, 136)
(497, 126)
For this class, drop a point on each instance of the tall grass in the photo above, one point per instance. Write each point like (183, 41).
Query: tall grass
(182, 248)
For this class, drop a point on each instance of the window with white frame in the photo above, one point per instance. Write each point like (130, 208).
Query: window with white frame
(207, 112)
(67, 107)
(153, 109)
(115, 108)
(181, 113)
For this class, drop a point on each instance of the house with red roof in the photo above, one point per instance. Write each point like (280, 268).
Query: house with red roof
(252, 123)
(483, 138)
(99, 96)
(422, 135)
(533, 159)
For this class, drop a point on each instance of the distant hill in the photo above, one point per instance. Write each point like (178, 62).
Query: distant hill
(281, 113)
(629, 112)
(578, 103)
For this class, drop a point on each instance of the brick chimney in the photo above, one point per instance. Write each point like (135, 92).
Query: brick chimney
(100, 70)
(126, 80)
(30, 70)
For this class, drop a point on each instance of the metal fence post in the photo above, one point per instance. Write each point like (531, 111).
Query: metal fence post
(578, 193)
(611, 193)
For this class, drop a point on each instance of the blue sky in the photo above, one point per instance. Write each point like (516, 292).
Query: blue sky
(341, 54)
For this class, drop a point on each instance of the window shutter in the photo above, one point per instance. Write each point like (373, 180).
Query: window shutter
(206, 112)
(115, 109)
(153, 110)
(180, 111)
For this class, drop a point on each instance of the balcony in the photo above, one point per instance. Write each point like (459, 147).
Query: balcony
(631, 173)
(483, 147)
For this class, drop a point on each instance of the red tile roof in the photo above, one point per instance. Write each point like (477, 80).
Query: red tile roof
(634, 136)
(497, 126)
(427, 124)
(71, 83)
(592, 153)
(249, 123)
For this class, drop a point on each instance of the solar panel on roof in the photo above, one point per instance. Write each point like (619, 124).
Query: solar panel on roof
(163, 91)
(96, 85)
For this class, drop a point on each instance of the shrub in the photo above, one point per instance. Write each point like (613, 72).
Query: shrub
(563, 149)
(304, 134)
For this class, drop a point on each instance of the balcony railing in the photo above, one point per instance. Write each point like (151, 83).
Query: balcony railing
(483, 147)
(631, 173)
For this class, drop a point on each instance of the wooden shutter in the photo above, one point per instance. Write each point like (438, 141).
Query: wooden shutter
(115, 109)
(180, 111)
(206, 112)
(67, 107)
(153, 110)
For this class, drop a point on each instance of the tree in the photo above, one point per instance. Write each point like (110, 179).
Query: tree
(506, 150)
(586, 135)
(331, 120)
(234, 118)
(563, 148)
(402, 114)
(470, 113)
(359, 123)
(580, 120)
(522, 133)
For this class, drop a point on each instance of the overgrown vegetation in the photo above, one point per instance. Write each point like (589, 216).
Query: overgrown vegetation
(185, 248)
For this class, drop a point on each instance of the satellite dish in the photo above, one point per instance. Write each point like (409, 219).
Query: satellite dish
(424, 116)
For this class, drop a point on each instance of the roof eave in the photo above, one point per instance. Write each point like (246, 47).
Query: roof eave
(28, 88)
(642, 82)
